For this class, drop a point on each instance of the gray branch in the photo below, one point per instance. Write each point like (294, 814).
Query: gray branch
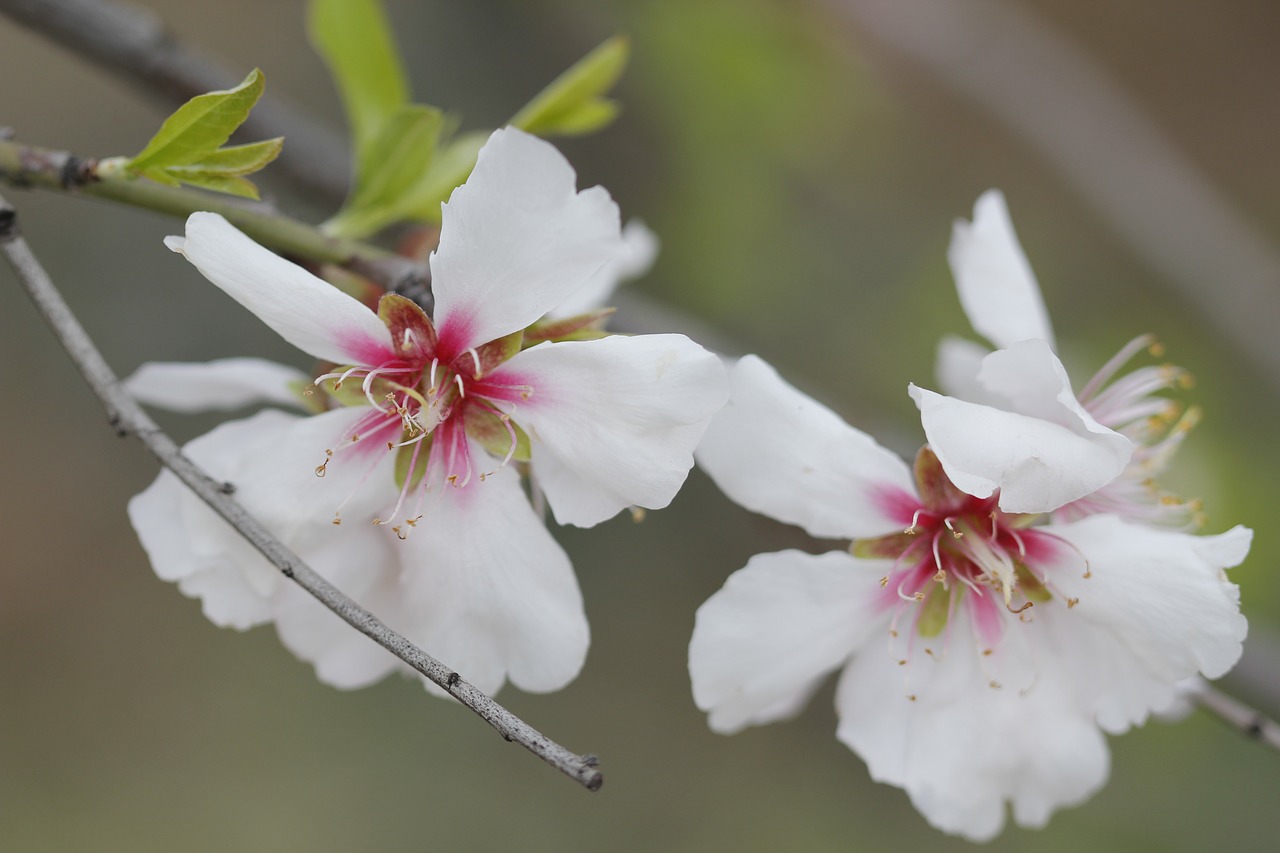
(128, 418)
(1244, 719)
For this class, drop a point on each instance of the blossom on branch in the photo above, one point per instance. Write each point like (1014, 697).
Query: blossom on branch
(985, 642)
(405, 489)
(1011, 421)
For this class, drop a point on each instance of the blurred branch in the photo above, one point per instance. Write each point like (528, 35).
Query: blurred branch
(132, 43)
(1234, 713)
(26, 166)
(1046, 90)
(127, 417)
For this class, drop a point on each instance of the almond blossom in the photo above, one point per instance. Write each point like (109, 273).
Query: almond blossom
(1011, 421)
(982, 652)
(1016, 593)
(405, 488)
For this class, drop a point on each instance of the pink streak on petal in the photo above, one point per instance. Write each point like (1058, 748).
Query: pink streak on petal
(987, 618)
(455, 335)
(896, 503)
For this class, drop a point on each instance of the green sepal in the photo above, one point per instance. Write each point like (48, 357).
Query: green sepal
(404, 458)
(1030, 585)
(937, 492)
(573, 104)
(353, 38)
(883, 547)
(351, 392)
(497, 351)
(306, 394)
(935, 610)
(489, 430)
(569, 328)
(412, 332)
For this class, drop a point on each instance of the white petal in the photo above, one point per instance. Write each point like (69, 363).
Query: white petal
(997, 288)
(224, 383)
(490, 593)
(306, 311)
(269, 459)
(962, 748)
(613, 422)
(1156, 609)
(780, 624)
(363, 563)
(957, 367)
(1041, 449)
(516, 241)
(779, 452)
(639, 250)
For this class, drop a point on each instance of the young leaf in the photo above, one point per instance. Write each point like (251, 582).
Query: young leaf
(399, 156)
(452, 165)
(572, 104)
(353, 38)
(200, 126)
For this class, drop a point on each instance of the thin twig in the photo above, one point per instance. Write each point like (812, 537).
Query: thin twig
(133, 43)
(31, 167)
(127, 417)
(1249, 722)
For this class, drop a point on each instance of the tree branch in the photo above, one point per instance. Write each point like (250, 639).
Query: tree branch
(132, 43)
(26, 166)
(1244, 719)
(127, 417)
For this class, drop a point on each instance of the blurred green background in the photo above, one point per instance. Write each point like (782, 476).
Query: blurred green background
(803, 174)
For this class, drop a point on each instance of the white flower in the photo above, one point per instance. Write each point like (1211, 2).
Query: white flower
(423, 420)
(982, 655)
(1012, 422)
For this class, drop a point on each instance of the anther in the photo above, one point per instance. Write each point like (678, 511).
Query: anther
(400, 533)
(915, 518)
(994, 685)
(1072, 602)
(911, 697)
(1025, 606)
(884, 581)
(951, 526)
(986, 653)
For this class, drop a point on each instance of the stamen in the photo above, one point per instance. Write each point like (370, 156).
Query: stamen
(1108, 370)
(323, 468)
(1026, 605)
(949, 523)
(915, 519)
(462, 392)
(475, 359)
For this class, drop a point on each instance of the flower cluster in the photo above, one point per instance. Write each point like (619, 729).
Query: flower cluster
(1021, 589)
(403, 486)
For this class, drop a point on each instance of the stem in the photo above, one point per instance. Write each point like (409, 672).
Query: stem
(133, 44)
(127, 417)
(27, 166)
(1241, 717)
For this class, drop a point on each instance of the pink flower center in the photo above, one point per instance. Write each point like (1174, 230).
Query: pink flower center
(427, 405)
(963, 552)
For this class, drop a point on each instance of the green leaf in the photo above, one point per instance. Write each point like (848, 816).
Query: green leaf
(572, 104)
(237, 159)
(218, 182)
(354, 40)
(450, 168)
(200, 126)
(400, 156)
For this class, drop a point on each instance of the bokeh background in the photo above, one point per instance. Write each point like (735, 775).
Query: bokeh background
(802, 163)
